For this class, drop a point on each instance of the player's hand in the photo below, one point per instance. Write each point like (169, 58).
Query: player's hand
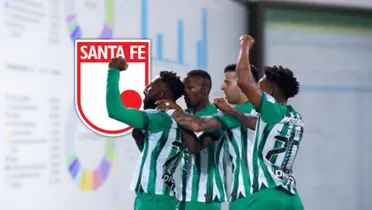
(246, 42)
(222, 105)
(118, 63)
(165, 105)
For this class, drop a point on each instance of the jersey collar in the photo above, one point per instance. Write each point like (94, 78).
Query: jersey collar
(208, 110)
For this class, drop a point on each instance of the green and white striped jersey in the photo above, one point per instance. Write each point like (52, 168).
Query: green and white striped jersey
(158, 167)
(279, 132)
(156, 170)
(203, 174)
(239, 141)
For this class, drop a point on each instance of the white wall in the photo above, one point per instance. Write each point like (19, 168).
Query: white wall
(332, 64)
(36, 87)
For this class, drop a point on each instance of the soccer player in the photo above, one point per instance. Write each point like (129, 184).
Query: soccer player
(156, 170)
(203, 178)
(238, 137)
(279, 132)
(230, 86)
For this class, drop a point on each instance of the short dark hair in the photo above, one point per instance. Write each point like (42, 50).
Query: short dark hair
(173, 82)
(232, 68)
(284, 79)
(207, 80)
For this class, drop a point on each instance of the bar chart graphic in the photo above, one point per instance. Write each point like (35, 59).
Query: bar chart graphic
(200, 45)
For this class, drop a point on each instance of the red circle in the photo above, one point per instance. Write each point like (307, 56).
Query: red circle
(131, 99)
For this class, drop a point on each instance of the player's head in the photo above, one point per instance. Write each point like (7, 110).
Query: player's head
(279, 82)
(198, 84)
(167, 85)
(230, 84)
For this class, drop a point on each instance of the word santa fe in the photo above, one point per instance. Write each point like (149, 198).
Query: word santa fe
(103, 52)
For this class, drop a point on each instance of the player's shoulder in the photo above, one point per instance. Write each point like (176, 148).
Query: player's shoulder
(157, 113)
(267, 97)
(295, 121)
(154, 111)
(166, 117)
(213, 111)
(295, 112)
(246, 108)
(296, 115)
(271, 100)
(212, 114)
(151, 111)
(293, 117)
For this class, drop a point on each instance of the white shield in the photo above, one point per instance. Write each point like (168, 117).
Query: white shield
(91, 69)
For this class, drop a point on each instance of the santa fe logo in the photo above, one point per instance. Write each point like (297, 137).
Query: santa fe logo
(91, 69)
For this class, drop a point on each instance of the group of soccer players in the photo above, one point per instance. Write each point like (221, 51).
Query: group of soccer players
(240, 151)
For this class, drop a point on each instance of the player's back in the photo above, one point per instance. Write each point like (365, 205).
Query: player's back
(159, 161)
(203, 177)
(278, 135)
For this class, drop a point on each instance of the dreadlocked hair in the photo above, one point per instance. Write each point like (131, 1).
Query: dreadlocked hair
(173, 82)
(284, 79)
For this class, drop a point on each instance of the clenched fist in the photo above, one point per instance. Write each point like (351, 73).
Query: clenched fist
(222, 105)
(246, 42)
(118, 63)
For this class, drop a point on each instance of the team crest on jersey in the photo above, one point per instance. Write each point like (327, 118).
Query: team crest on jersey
(91, 69)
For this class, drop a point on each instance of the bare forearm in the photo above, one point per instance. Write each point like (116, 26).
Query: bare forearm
(248, 120)
(243, 69)
(246, 81)
(185, 120)
(209, 124)
(195, 123)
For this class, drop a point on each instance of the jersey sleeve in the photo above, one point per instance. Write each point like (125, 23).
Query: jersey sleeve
(151, 121)
(159, 121)
(270, 111)
(227, 121)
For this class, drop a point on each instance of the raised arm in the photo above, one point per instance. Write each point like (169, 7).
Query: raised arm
(132, 117)
(270, 111)
(245, 79)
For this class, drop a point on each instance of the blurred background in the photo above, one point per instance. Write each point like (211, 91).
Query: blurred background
(327, 43)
